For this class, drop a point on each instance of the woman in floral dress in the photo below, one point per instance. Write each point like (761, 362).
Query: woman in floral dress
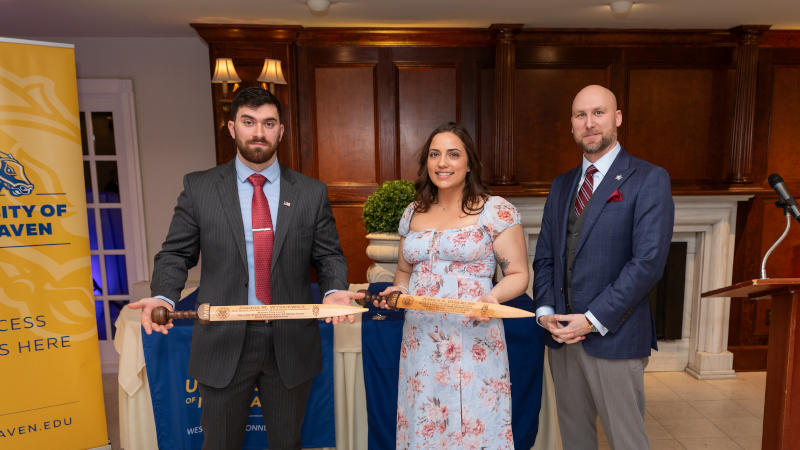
(454, 389)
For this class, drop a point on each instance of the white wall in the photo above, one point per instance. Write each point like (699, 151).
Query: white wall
(172, 89)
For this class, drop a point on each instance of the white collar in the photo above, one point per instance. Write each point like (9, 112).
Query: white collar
(603, 164)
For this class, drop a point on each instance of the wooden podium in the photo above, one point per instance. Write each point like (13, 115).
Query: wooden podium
(782, 399)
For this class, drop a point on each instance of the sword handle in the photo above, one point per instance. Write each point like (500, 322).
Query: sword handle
(391, 299)
(161, 315)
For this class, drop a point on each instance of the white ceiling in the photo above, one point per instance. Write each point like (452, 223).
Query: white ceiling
(160, 18)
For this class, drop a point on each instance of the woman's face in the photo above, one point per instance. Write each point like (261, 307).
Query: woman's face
(448, 162)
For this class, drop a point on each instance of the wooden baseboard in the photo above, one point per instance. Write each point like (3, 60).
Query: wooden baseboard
(749, 357)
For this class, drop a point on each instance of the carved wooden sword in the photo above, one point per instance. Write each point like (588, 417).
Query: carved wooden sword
(206, 313)
(396, 300)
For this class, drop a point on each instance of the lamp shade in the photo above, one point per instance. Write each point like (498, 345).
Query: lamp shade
(225, 72)
(272, 73)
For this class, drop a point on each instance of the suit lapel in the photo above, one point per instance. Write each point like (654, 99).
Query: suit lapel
(565, 205)
(228, 192)
(619, 169)
(285, 213)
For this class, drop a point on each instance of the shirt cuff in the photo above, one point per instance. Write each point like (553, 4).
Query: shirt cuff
(329, 293)
(603, 330)
(544, 311)
(166, 300)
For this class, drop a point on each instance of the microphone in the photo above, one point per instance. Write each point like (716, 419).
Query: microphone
(776, 182)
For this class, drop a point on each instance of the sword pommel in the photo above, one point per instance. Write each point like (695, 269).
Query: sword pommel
(391, 299)
(162, 315)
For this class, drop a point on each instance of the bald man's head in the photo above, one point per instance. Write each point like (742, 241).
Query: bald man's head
(595, 119)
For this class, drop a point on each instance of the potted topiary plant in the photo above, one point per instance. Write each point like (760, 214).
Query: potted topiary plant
(381, 216)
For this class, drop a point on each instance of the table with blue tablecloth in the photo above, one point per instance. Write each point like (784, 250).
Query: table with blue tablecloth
(177, 404)
(136, 413)
(137, 423)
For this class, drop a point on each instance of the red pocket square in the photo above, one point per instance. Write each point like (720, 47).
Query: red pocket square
(615, 197)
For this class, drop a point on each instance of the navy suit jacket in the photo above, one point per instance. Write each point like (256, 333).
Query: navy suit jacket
(620, 255)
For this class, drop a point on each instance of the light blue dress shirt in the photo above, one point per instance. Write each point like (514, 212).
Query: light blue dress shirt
(602, 165)
(272, 190)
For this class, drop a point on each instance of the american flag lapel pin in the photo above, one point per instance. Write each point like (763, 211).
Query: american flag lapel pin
(287, 204)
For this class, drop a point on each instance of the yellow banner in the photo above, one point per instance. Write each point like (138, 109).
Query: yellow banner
(52, 392)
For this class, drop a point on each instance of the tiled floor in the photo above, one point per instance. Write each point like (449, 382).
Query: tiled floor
(683, 413)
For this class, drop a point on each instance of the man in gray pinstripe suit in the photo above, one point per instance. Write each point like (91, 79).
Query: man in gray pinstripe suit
(215, 214)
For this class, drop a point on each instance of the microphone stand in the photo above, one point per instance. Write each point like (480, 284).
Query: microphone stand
(779, 204)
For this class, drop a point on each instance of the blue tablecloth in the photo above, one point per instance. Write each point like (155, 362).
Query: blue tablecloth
(176, 398)
(381, 355)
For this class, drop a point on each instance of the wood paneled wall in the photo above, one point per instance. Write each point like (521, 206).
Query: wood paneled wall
(713, 107)
(775, 150)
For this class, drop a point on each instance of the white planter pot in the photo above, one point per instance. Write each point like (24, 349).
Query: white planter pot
(383, 249)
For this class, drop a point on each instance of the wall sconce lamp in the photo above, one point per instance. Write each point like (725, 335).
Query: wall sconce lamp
(272, 74)
(225, 73)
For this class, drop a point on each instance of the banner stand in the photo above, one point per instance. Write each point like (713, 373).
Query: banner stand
(52, 394)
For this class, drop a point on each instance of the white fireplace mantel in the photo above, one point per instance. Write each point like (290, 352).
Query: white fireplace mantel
(707, 224)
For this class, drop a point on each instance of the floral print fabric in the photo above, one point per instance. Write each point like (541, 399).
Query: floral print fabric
(454, 389)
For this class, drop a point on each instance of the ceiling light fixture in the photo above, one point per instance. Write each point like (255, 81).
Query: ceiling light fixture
(618, 7)
(318, 5)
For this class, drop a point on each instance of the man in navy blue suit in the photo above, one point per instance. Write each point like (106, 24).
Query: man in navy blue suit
(606, 231)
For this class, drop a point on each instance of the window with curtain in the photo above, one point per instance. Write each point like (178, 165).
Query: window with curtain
(113, 196)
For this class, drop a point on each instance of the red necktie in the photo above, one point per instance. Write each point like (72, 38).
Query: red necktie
(263, 236)
(586, 190)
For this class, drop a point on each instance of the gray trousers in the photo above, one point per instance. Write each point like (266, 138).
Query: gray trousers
(586, 386)
(226, 410)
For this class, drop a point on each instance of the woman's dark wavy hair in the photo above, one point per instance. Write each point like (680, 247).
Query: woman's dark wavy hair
(474, 189)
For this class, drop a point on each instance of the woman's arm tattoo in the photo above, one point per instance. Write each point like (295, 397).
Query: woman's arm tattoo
(502, 262)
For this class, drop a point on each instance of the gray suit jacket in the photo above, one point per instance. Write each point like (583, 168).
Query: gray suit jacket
(208, 219)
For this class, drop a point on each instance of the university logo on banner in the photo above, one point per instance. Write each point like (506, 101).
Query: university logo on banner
(12, 177)
(52, 395)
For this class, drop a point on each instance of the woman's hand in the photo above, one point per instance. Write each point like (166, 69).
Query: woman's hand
(386, 292)
(486, 298)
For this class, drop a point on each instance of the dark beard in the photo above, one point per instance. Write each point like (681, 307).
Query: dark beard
(604, 143)
(254, 155)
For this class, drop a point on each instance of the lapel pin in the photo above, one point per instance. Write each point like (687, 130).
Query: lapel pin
(286, 204)
(619, 177)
